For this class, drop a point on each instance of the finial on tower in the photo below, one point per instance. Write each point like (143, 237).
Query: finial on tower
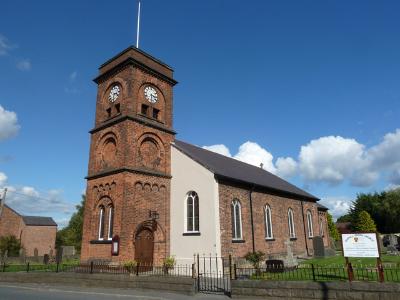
(138, 26)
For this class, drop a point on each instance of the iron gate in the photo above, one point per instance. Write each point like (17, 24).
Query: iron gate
(214, 274)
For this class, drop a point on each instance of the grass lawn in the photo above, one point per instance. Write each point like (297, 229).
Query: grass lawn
(335, 261)
(333, 269)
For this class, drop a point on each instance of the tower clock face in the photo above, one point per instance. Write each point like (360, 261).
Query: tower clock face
(150, 94)
(114, 93)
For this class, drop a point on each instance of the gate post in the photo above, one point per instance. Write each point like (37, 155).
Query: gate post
(91, 267)
(198, 272)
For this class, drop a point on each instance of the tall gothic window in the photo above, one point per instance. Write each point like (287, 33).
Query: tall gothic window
(268, 223)
(309, 224)
(192, 212)
(236, 213)
(101, 223)
(292, 233)
(321, 227)
(110, 222)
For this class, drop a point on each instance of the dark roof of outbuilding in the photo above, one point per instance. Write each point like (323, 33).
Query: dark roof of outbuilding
(38, 221)
(321, 207)
(235, 170)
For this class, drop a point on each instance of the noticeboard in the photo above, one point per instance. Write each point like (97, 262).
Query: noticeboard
(360, 245)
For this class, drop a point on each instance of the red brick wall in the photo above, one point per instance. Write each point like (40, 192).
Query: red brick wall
(10, 223)
(42, 238)
(279, 208)
(141, 145)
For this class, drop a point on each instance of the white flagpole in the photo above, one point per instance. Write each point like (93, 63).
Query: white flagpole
(138, 27)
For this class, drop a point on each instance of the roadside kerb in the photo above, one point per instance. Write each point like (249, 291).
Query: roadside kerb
(306, 290)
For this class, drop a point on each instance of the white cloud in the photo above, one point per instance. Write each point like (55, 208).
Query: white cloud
(5, 45)
(286, 167)
(252, 153)
(24, 65)
(8, 124)
(3, 179)
(392, 186)
(395, 177)
(26, 200)
(73, 75)
(331, 159)
(338, 206)
(220, 149)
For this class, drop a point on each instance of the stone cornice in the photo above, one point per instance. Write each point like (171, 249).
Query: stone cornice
(133, 62)
(138, 119)
(129, 170)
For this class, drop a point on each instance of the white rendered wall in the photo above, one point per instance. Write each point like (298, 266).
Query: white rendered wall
(188, 175)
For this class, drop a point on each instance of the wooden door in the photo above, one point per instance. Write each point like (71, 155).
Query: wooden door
(144, 247)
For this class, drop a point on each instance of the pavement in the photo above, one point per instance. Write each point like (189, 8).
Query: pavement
(10, 291)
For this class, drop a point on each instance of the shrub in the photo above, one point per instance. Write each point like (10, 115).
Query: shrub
(169, 262)
(11, 245)
(255, 258)
(130, 265)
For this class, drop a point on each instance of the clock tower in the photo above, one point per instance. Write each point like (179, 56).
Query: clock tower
(128, 184)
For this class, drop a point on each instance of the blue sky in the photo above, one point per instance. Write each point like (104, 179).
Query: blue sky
(309, 88)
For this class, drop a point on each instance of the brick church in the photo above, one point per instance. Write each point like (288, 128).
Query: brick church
(151, 196)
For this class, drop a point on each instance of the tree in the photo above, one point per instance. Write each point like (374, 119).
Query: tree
(364, 222)
(344, 219)
(333, 232)
(72, 234)
(11, 245)
(383, 207)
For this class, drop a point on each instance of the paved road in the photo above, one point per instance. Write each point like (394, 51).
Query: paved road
(58, 292)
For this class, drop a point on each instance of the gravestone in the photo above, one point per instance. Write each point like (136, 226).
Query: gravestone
(332, 243)
(59, 254)
(22, 255)
(68, 251)
(36, 255)
(46, 259)
(274, 266)
(318, 246)
(290, 260)
(51, 253)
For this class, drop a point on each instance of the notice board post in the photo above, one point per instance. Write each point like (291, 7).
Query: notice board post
(362, 244)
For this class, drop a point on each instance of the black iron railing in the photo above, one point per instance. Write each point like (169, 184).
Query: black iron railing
(311, 272)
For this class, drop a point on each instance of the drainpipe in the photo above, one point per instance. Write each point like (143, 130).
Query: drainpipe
(304, 227)
(251, 218)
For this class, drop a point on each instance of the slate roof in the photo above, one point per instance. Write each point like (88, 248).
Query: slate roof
(321, 207)
(235, 170)
(38, 221)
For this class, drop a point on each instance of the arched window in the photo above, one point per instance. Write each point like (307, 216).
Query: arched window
(101, 223)
(309, 224)
(236, 213)
(268, 223)
(110, 222)
(192, 212)
(321, 227)
(292, 233)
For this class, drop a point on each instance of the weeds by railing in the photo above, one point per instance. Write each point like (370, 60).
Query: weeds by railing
(311, 272)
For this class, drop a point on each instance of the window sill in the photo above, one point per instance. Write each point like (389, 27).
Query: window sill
(100, 242)
(191, 234)
(310, 237)
(293, 238)
(269, 239)
(238, 241)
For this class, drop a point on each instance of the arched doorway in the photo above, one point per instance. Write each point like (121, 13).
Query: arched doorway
(144, 247)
